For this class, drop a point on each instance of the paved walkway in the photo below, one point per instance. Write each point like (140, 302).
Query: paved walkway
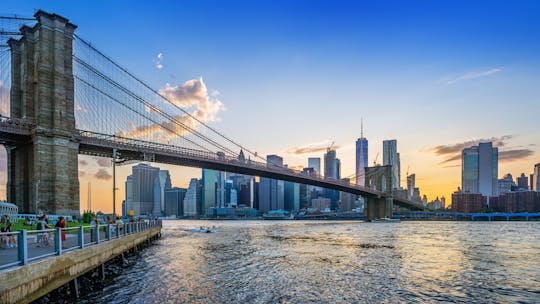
(8, 255)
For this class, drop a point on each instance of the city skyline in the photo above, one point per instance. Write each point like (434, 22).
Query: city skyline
(443, 105)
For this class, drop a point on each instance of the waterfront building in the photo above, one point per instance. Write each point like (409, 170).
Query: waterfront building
(523, 182)
(320, 203)
(174, 202)
(516, 201)
(531, 181)
(315, 163)
(436, 204)
(361, 156)
(391, 158)
(480, 169)
(161, 184)
(192, 199)
(468, 202)
(292, 196)
(506, 184)
(537, 177)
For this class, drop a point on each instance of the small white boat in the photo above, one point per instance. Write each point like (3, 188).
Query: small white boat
(202, 229)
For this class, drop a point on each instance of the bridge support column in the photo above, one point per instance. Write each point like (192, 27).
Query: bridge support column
(376, 208)
(43, 173)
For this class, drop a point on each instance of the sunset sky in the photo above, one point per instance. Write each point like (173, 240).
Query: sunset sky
(291, 77)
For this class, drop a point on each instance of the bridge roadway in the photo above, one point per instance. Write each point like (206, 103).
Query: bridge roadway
(16, 131)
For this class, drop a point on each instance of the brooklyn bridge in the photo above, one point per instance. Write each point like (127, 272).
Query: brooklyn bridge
(68, 98)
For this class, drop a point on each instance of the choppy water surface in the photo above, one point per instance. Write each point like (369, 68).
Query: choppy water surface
(334, 262)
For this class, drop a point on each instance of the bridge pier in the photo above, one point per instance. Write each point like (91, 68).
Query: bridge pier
(43, 173)
(376, 208)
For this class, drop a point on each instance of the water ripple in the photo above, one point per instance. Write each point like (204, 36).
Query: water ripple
(333, 262)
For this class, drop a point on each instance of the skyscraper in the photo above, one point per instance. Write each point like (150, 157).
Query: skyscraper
(330, 164)
(192, 198)
(411, 180)
(338, 168)
(292, 196)
(129, 195)
(480, 169)
(523, 182)
(315, 163)
(144, 177)
(537, 177)
(391, 158)
(174, 202)
(361, 156)
(161, 184)
(271, 191)
(209, 189)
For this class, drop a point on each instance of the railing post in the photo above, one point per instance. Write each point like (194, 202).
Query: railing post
(23, 247)
(81, 237)
(117, 231)
(58, 240)
(108, 232)
(96, 234)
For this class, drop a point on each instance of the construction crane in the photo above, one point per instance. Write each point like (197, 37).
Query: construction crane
(330, 147)
(375, 161)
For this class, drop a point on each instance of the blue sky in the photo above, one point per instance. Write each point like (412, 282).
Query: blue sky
(293, 73)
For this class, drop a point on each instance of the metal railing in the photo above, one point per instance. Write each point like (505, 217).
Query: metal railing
(20, 247)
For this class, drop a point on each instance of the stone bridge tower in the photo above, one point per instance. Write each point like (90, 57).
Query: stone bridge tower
(43, 172)
(380, 178)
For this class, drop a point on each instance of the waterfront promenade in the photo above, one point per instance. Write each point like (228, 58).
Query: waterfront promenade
(30, 272)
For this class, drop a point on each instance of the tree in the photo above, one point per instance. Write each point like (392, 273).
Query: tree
(88, 216)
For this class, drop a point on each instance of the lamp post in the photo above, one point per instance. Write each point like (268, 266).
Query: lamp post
(114, 181)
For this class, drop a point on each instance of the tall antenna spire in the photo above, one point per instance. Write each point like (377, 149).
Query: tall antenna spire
(361, 127)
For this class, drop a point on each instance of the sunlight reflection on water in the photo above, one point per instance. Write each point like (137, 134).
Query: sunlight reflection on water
(334, 262)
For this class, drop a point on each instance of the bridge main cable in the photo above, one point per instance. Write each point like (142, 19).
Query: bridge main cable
(166, 99)
(151, 106)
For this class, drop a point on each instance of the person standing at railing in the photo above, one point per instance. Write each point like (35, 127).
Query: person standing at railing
(61, 224)
(119, 223)
(7, 241)
(42, 237)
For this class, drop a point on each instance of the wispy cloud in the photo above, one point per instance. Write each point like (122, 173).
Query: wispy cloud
(104, 162)
(470, 75)
(82, 162)
(103, 174)
(513, 155)
(452, 152)
(457, 147)
(312, 148)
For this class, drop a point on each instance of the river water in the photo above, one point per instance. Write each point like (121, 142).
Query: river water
(333, 262)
